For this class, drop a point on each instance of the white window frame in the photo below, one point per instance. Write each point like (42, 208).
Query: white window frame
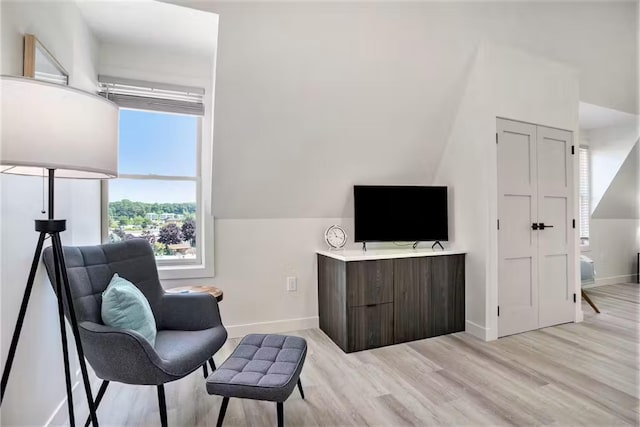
(584, 241)
(202, 266)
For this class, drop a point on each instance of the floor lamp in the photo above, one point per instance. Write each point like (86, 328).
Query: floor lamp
(69, 134)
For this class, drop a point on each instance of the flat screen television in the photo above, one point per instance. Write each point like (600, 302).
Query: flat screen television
(400, 213)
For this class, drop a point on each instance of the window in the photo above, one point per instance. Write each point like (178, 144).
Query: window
(585, 195)
(158, 193)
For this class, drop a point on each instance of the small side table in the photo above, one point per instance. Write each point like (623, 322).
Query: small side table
(211, 290)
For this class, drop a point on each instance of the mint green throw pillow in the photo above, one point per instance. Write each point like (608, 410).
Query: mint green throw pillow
(125, 307)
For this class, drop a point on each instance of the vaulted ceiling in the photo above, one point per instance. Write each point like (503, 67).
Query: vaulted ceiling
(622, 198)
(313, 97)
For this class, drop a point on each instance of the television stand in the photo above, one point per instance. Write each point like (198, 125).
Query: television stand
(415, 245)
(389, 296)
(436, 243)
(364, 246)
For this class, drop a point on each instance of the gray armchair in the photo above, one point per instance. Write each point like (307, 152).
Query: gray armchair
(190, 330)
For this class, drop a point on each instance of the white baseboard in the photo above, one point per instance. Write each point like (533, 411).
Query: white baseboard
(60, 416)
(236, 331)
(603, 281)
(476, 330)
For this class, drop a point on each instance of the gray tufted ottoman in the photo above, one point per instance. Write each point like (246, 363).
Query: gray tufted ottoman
(262, 367)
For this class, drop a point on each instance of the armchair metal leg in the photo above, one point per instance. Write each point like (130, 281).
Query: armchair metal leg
(212, 364)
(280, 409)
(300, 388)
(205, 370)
(103, 388)
(587, 299)
(223, 410)
(163, 406)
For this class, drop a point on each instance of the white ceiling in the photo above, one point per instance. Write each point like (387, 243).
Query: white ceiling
(151, 24)
(594, 117)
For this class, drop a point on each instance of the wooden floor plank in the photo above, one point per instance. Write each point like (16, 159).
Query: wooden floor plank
(573, 374)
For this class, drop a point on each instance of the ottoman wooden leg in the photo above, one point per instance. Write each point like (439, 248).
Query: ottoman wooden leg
(223, 410)
(280, 408)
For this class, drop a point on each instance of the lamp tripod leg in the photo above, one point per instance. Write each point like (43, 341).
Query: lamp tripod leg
(21, 315)
(57, 248)
(63, 334)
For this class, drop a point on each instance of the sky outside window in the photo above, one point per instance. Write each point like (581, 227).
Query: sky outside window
(157, 143)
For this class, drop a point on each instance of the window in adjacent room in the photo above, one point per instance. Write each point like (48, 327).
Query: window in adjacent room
(157, 195)
(585, 194)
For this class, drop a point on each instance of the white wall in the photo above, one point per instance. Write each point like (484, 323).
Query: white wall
(373, 98)
(622, 198)
(469, 163)
(36, 386)
(609, 147)
(613, 247)
(613, 241)
(461, 169)
(313, 97)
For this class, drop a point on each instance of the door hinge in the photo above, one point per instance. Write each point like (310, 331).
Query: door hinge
(498, 224)
(498, 311)
(573, 149)
(574, 223)
(496, 137)
(574, 297)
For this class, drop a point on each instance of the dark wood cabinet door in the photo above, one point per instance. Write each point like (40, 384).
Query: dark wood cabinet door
(410, 278)
(332, 306)
(444, 297)
(369, 282)
(370, 326)
(456, 292)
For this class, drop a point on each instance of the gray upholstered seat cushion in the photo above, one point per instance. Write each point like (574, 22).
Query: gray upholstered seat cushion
(262, 367)
(180, 351)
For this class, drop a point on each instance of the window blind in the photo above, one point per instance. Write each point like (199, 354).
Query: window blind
(152, 96)
(585, 192)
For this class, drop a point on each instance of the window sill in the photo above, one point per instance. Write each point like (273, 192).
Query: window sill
(191, 271)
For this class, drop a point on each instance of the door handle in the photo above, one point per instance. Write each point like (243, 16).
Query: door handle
(540, 226)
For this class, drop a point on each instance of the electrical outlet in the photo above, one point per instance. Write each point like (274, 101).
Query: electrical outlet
(292, 284)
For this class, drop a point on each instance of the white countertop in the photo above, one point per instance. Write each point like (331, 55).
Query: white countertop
(373, 254)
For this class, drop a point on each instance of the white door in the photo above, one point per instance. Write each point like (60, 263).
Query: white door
(555, 241)
(535, 187)
(517, 242)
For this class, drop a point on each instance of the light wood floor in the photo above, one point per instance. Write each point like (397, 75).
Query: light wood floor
(575, 374)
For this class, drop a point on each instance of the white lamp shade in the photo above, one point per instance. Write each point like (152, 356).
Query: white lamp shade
(46, 125)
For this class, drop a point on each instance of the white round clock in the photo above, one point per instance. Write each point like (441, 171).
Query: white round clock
(335, 236)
